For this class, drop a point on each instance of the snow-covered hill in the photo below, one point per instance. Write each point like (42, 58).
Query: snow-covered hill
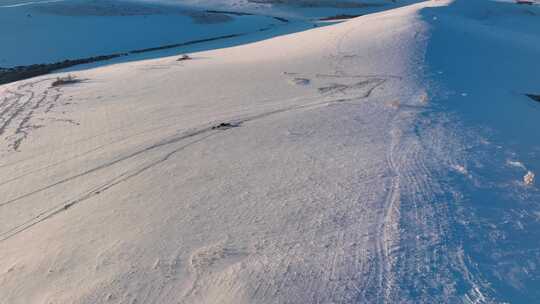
(54, 31)
(41, 32)
(379, 160)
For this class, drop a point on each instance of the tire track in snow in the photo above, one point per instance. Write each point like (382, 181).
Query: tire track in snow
(412, 182)
(338, 277)
(381, 277)
(65, 205)
(431, 257)
(125, 176)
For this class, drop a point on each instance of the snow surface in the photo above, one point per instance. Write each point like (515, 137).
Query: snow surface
(379, 160)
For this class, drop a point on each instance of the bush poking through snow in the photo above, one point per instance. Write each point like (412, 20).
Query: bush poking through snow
(69, 79)
(225, 126)
(528, 179)
(184, 57)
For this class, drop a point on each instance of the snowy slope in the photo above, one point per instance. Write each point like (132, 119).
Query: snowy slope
(354, 163)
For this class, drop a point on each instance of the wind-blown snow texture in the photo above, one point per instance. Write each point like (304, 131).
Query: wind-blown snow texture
(380, 160)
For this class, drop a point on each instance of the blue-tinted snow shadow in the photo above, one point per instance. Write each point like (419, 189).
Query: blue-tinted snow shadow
(482, 57)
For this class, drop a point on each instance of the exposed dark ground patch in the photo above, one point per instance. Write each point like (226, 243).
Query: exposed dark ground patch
(28, 71)
(171, 46)
(225, 126)
(339, 17)
(184, 58)
(229, 13)
(60, 81)
(280, 19)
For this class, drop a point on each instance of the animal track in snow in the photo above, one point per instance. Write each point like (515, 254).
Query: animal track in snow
(342, 84)
(22, 111)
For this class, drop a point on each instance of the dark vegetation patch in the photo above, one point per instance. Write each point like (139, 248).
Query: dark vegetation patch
(535, 97)
(339, 17)
(8, 75)
(184, 58)
(69, 79)
(280, 19)
(170, 46)
(526, 2)
(225, 126)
